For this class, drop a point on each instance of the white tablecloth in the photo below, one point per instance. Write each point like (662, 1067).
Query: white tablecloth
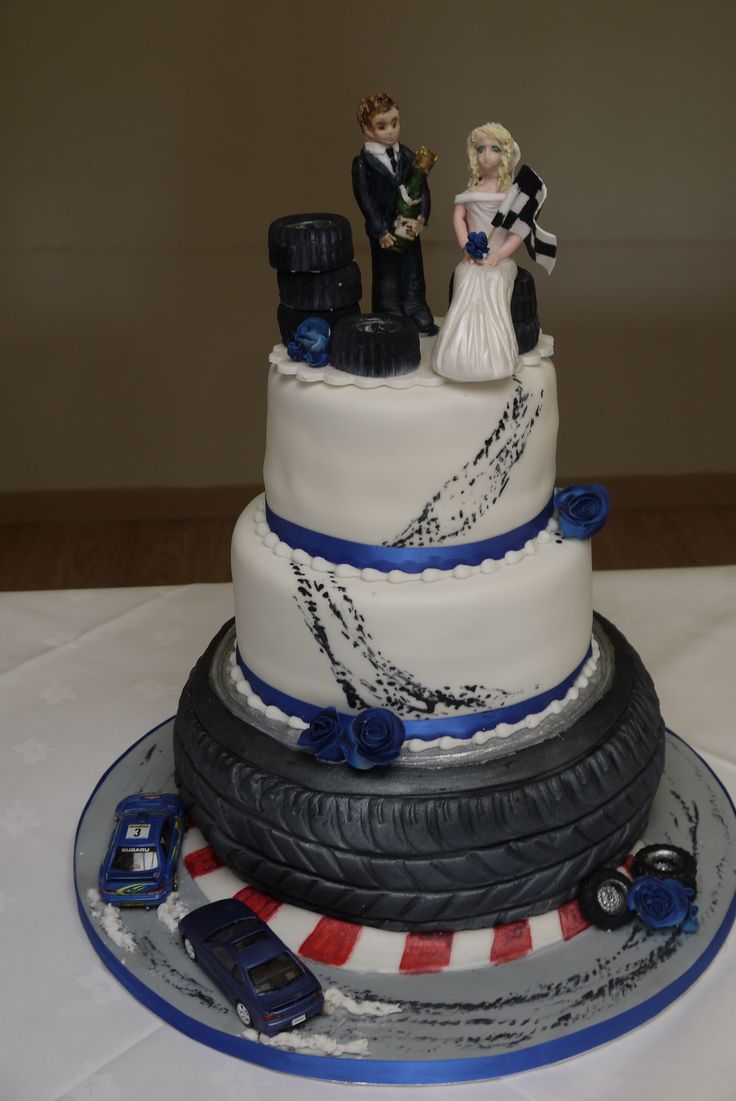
(84, 674)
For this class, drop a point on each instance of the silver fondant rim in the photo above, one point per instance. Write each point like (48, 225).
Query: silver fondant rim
(592, 682)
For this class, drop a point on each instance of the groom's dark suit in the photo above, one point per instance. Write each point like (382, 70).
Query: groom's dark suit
(398, 278)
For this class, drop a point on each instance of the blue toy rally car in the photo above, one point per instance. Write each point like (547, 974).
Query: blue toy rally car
(139, 868)
(271, 989)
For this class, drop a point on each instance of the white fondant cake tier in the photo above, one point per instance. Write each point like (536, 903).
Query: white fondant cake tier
(421, 465)
(470, 641)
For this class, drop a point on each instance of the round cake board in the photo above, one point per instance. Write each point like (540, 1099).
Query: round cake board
(452, 1026)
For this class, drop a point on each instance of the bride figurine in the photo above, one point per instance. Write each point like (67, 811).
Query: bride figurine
(491, 218)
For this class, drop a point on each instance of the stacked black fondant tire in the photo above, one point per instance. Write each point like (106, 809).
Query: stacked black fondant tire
(420, 849)
(317, 276)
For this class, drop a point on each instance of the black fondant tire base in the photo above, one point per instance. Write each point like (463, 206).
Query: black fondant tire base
(462, 847)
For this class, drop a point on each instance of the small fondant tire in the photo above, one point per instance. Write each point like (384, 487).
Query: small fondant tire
(666, 861)
(321, 290)
(243, 1013)
(289, 320)
(527, 335)
(190, 949)
(310, 242)
(524, 311)
(524, 297)
(375, 345)
(603, 899)
(425, 849)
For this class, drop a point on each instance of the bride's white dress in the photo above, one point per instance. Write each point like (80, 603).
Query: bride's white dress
(477, 340)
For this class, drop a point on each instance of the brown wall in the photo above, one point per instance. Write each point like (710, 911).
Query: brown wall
(146, 147)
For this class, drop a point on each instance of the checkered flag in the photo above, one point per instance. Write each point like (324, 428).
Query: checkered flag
(518, 213)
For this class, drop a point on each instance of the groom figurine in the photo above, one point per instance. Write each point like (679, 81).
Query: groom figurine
(379, 170)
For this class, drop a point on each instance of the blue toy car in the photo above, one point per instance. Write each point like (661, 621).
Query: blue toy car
(139, 868)
(271, 989)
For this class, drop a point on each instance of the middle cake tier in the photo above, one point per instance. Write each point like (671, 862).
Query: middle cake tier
(427, 464)
(472, 647)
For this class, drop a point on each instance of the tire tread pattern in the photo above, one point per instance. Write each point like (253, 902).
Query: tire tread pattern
(449, 860)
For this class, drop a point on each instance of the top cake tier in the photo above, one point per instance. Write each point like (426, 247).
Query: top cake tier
(422, 463)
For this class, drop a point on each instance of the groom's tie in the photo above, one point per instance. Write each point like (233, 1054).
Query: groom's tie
(392, 157)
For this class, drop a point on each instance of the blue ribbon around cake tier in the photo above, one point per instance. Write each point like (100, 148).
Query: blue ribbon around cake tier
(408, 559)
(427, 730)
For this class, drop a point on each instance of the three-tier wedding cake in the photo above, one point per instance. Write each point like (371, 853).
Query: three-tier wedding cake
(415, 720)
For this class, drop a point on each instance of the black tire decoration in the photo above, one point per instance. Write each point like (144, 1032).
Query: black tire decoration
(603, 899)
(527, 335)
(524, 297)
(289, 320)
(667, 862)
(310, 242)
(425, 849)
(322, 290)
(524, 311)
(375, 345)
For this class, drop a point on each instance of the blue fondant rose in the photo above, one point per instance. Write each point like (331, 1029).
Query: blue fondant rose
(663, 903)
(582, 510)
(374, 737)
(322, 736)
(476, 245)
(311, 343)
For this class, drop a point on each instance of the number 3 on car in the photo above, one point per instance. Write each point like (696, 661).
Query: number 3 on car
(139, 868)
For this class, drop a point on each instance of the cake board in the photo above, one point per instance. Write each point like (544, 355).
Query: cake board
(453, 1026)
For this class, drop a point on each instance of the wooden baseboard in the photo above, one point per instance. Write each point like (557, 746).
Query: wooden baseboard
(78, 506)
(716, 490)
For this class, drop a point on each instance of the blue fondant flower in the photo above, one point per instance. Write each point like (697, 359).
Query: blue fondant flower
(690, 924)
(477, 245)
(374, 737)
(583, 510)
(663, 903)
(311, 342)
(323, 736)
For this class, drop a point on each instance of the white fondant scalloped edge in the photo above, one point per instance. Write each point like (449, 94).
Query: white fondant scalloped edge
(417, 745)
(397, 577)
(422, 376)
(254, 701)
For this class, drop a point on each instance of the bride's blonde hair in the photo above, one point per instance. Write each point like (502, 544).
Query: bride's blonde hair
(500, 134)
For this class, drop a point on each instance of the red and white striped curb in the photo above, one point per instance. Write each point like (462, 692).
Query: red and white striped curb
(364, 949)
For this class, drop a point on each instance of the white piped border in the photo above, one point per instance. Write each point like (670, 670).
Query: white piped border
(529, 722)
(399, 577)
(422, 376)
(418, 745)
(254, 701)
